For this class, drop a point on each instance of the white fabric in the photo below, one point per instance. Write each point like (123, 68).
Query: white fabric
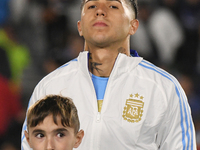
(165, 120)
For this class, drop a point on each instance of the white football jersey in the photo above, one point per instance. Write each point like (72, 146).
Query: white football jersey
(144, 107)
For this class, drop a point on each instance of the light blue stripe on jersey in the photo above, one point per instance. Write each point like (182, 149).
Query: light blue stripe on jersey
(182, 99)
(68, 63)
(100, 84)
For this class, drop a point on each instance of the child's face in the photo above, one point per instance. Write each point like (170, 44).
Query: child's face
(47, 135)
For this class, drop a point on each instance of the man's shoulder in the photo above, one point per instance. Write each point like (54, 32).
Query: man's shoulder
(155, 73)
(63, 71)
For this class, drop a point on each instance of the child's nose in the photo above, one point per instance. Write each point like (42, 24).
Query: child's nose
(50, 144)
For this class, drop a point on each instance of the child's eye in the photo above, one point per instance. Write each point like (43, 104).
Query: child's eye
(39, 135)
(92, 6)
(114, 7)
(60, 135)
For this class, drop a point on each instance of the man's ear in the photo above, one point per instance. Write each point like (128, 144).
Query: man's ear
(27, 137)
(134, 26)
(79, 137)
(79, 28)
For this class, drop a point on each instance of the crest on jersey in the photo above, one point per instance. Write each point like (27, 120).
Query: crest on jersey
(133, 109)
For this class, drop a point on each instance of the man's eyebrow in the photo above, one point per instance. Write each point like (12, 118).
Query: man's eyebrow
(115, 0)
(90, 0)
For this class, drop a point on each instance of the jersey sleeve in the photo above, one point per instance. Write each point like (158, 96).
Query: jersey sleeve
(177, 130)
(38, 93)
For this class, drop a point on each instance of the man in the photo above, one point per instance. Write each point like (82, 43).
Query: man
(124, 102)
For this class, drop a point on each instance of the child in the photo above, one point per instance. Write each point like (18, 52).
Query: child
(53, 123)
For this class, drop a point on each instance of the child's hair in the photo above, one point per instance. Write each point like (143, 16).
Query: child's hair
(54, 105)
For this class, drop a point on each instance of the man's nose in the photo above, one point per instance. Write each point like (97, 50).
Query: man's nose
(101, 10)
(50, 144)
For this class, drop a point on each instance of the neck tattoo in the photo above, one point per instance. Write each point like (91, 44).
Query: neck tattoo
(93, 65)
(122, 50)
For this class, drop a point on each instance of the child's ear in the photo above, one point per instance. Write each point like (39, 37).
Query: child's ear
(79, 137)
(27, 137)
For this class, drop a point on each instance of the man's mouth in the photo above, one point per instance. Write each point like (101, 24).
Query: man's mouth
(100, 24)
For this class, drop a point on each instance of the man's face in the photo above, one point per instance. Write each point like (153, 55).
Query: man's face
(105, 21)
(47, 136)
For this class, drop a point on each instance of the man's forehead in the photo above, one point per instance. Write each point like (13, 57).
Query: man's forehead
(105, 0)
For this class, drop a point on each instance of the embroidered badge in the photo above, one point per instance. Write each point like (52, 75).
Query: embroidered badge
(133, 109)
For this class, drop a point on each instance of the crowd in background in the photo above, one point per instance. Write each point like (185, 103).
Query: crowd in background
(37, 36)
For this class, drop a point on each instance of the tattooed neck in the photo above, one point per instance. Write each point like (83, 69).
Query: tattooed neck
(122, 50)
(93, 65)
(97, 67)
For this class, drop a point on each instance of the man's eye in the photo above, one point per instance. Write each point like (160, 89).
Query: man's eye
(92, 6)
(60, 135)
(114, 7)
(39, 135)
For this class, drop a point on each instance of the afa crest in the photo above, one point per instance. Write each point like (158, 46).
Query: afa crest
(133, 109)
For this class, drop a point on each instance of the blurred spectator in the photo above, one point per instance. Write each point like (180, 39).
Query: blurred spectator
(142, 41)
(57, 57)
(56, 24)
(63, 44)
(18, 55)
(167, 33)
(160, 33)
(4, 11)
(190, 14)
(5, 66)
(198, 55)
(173, 5)
(188, 84)
(14, 57)
(10, 109)
(190, 19)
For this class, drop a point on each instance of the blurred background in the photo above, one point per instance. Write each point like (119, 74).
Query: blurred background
(37, 36)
